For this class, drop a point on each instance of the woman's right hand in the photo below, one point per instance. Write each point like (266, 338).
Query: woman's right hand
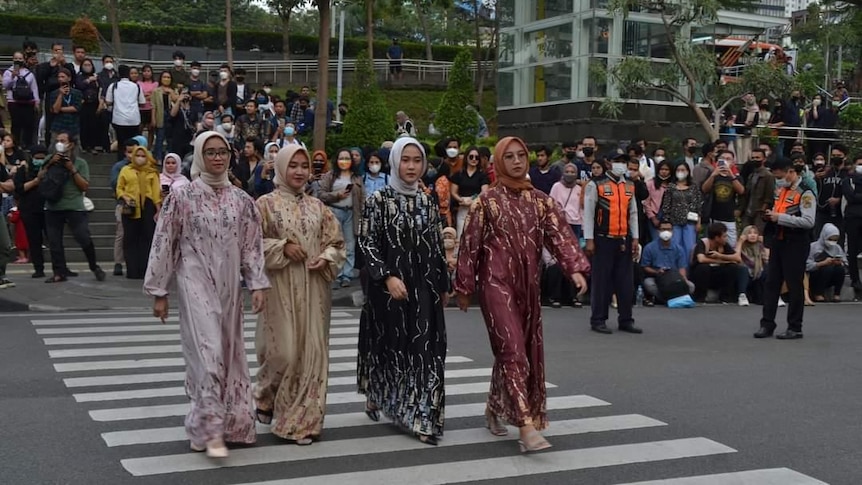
(396, 288)
(294, 252)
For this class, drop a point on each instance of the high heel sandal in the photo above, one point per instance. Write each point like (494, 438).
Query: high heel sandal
(427, 439)
(263, 416)
(534, 442)
(492, 422)
(372, 411)
(304, 441)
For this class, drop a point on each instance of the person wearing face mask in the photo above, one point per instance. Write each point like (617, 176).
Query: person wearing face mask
(197, 89)
(747, 120)
(341, 189)
(660, 257)
(179, 73)
(319, 166)
(225, 95)
(656, 189)
(227, 128)
(22, 98)
(139, 190)
(689, 154)
(264, 173)
(183, 124)
(244, 92)
(567, 193)
(829, 193)
(288, 136)
(788, 235)
(31, 204)
(611, 232)
(817, 117)
(759, 192)
(374, 178)
(755, 257)
(851, 188)
(826, 265)
(106, 78)
(681, 205)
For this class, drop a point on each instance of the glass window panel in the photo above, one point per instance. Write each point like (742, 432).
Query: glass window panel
(546, 9)
(507, 50)
(506, 89)
(548, 44)
(598, 87)
(599, 34)
(645, 40)
(550, 82)
(506, 11)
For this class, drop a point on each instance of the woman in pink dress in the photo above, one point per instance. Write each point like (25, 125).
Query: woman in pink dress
(208, 237)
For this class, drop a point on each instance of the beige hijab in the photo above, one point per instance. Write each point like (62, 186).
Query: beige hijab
(199, 167)
(282, 160)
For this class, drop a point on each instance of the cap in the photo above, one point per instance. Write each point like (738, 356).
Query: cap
(39, 149)
(178, 54)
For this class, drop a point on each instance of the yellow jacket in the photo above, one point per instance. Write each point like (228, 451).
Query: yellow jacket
(139, 184)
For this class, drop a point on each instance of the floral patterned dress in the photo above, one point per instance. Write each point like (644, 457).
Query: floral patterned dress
(208, 239)
(402, 344)
(499, 259)
(292, 336)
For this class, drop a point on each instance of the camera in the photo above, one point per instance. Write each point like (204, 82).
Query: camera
(18, 63)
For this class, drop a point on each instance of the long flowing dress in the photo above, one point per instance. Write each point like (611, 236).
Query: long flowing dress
(499, 259)
(209, 238)
(292, 336)
(402, 344)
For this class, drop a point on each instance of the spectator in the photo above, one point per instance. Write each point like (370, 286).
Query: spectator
(139, 192)
(197, 89)
(79, 53)
(689, 156)
(119, 257)
(341, 189)
(125, 98)
(569, 156)
(759, 192)
(817, 118)
(395, 55)
(162, 99)
(403, 125)
(278, 121)
(851, 187)
(22, 99)
(754, 256)
(264, 173)
(543, 175)
(319, 166)
(31, 204)
(749, 117)
(717, 265)
(148, 85)
(288, 136)
(70, 174)
(705, 167)
(681, 205)
(659, 257)
(567, 193)
(244, 92)
(374, 179)
(228, 129)
(556, 287)
(251, 124)
(646, 165)
(721, 189)
(65, 105)
(179, 75)
(829, 179)
(106, 79)
(225, 90)
(248, 161)
(183, 125)
(825, 265)
(46, 73)
(656, 188)
(88, 83)
(641, 194)
(172, 176)
(467, 185)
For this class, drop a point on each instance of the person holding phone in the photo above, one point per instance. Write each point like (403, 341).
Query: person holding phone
(721, 190)
(172, 175)
(341, 189)
(65, 103)
(826, 264)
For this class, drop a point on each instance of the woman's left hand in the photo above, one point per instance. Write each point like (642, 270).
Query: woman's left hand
(258, 301)
(317, 265)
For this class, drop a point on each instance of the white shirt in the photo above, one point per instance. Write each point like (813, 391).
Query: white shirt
(126, 97)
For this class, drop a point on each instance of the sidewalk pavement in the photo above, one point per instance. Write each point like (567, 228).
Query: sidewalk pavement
(84, 293)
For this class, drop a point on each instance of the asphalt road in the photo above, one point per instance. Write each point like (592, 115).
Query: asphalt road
(694, 396)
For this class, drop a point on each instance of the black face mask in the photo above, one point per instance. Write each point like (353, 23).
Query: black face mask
(835, 161)
(691, 150)
(570, 155)
(589, 151)
(240, 79)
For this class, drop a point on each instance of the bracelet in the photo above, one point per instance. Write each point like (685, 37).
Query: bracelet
(74, 173)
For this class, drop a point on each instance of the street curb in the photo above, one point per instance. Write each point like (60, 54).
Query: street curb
(11, 306)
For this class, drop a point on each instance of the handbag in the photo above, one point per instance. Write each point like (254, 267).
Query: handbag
(128, 208)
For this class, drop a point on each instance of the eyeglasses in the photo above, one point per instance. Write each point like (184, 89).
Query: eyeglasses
(212, 153)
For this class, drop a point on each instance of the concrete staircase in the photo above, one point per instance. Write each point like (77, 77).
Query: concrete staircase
(102, 221)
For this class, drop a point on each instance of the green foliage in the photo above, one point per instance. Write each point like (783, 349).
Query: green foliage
(367, 122)
(453, 119)
(213, 37)
(850, 127)
(83, 33)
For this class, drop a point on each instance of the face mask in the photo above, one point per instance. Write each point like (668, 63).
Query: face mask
(764, 107)
(431, 173)
(87, 70)
(227, 126)
(109, 66)
(665, 235)
(752, 238)
(240, 79)
(570, 155)
(858, 169)
(659, 159)
(663, 177)
(223, 75)
(816, 102)
(589, 151)
(681, 176)
(140, 161)
(345, 164)
(831, 244)
(448, 244)
(569, 178)
(289, 131)
(781, 183)
(38, 162)
(60, 147)
(819, 163)
(836, 161)
(619, 168)
(178, 62)
(691, 150)
(267, 90)
(451, 152)
(374, 168)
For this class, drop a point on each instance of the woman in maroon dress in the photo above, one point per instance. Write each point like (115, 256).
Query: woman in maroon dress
(499, 260)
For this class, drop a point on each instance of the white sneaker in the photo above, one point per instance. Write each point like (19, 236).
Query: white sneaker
(743, 300)
(781, 302)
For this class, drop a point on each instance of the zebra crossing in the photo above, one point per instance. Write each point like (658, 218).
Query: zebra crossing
(126, 371)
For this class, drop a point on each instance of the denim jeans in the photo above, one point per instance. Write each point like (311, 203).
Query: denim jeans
(159, 145)
(345, 218)
(686, 237)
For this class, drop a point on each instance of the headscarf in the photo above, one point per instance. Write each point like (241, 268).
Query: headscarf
(199, 167)
(267, 147)
(150, 166)
(322, 155)
(395, 162)
(362, 168)
(504, 177)
(282, 160)
(832, 250)
(752, 251)
(171, 178)
(563, 176)
(142, 140)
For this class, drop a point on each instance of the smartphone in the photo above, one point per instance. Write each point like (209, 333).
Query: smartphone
(166, 188)
(349, 187)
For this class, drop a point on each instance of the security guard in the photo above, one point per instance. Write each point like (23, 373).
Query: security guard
(788, 235)
(611, 232)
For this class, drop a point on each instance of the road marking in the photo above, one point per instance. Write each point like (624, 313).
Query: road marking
(154, 321)
(773, 476)
(180, 362)
(156, 349)
(334, 421)
(167, 337)
(347, 328)
(126, 379)
(591, 457)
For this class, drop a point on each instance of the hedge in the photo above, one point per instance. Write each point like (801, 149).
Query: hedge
(213, 38)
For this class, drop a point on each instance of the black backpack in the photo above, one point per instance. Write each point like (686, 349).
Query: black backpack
(51, 187)
(21, 89)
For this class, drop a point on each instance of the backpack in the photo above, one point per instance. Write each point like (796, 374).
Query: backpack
(21, 91)
(51, 187)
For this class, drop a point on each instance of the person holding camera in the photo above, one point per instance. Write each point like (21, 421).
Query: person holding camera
(140, 193)
(721, 190)
(22, 97)
(63, 181)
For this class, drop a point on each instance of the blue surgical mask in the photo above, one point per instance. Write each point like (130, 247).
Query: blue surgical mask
(38, 162)
(289, 131)
(781, 183)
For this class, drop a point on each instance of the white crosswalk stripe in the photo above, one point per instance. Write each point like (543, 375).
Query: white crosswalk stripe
(147, 369)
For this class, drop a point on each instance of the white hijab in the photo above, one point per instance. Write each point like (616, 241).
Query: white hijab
(199, 167)
(395, 162)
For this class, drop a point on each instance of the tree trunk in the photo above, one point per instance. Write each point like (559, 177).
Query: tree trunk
(228, 33)
(369, 27)
(114, 19)
(479, 73)
(705, 122)
(285, 34)
(320, 109)
(429, 53)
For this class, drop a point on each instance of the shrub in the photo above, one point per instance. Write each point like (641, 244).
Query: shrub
(367, 121)
(453, 117)
(85, 34)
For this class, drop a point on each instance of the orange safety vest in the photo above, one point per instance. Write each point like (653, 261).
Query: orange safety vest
(612, 207)
(788, 201)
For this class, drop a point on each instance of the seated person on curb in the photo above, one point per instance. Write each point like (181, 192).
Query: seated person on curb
(716, 265)
(755, 257)
(825, 264)
(660, 257)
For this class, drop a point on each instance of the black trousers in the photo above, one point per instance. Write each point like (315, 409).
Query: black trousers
(137, 239)
(612, 272)
(103, 137)
(90, 137)
(34, 226)
(853, 228)
(55, 222)
(558, 287)
(721, 278)
(23, 124)
(786, 264)
(825, 278)
(124, 134)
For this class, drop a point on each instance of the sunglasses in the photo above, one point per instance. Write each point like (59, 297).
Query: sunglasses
(472, 157)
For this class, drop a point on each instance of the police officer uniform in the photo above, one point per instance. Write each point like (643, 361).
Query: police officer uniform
(789, 242)
(611, 226)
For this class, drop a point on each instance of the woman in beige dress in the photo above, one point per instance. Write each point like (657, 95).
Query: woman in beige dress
(304, 249)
